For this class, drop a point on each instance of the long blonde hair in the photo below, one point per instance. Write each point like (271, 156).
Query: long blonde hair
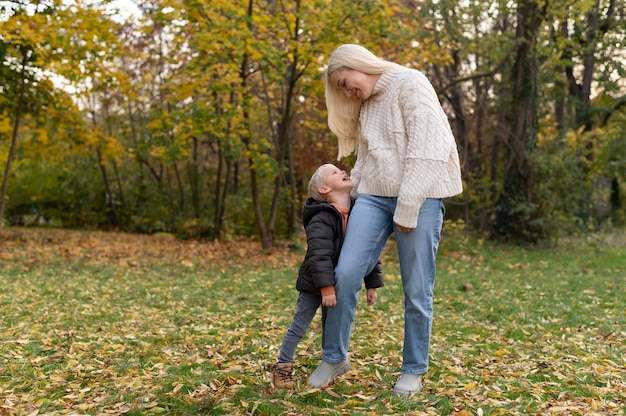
(343, 112)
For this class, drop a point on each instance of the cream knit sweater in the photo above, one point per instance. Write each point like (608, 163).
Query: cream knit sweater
(406, 147)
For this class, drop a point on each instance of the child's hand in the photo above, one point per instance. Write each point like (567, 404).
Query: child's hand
(371, 296)
(330, 300)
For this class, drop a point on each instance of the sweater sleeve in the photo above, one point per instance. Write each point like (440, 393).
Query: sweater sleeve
(428, 136)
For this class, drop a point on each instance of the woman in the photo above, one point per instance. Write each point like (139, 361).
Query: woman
(407, 161)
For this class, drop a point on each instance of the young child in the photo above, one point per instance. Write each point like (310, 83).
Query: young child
(325, 217)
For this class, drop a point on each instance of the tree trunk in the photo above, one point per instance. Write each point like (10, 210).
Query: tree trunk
(267, 235)
(16, 126)
(221, 192)
(194, 178)
(112, 218)
(515, 210)
(171, 197)
(120, 188)
(293, 187)
(580, 92)
(455, 98)
(118, 180)
(284, 138)
(112, 215)
(616, 200)
(140, 191)
(225, 191)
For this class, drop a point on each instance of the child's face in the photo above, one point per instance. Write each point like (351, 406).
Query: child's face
(337, 179)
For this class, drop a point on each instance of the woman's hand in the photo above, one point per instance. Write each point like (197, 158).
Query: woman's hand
(403, 229)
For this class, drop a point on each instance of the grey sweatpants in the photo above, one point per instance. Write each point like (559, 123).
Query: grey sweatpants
(306, 308)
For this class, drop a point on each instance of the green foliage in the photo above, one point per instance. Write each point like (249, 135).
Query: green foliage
(63, 196)
(559, 186)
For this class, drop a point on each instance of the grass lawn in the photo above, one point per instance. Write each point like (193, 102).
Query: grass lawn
(111, 323)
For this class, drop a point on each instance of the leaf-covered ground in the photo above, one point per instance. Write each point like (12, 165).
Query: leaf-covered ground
(112, 323)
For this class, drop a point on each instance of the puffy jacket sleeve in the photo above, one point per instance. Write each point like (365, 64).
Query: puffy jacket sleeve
(375, 278)
(320, 250)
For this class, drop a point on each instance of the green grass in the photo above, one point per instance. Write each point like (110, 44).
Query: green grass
(96, 323)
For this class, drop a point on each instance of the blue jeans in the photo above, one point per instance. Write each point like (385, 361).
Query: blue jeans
(369, 227)
(306, 307)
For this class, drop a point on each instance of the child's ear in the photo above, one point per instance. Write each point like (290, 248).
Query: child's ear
(323, 189)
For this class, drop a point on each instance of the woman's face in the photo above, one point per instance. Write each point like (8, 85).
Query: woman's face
(352, 83)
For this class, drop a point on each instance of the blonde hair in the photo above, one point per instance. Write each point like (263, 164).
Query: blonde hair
(343, 112)
(318, 179)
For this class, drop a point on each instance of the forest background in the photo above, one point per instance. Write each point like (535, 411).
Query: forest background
(205, 118)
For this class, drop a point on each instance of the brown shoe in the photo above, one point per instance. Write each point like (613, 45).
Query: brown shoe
(282, 375)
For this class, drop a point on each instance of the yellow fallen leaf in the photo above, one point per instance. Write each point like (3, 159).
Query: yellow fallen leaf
(177, 388)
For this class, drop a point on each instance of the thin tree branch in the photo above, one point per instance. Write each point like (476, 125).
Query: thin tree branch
(489, 73)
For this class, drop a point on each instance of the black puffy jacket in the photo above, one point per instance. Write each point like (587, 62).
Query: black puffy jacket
(324, 237)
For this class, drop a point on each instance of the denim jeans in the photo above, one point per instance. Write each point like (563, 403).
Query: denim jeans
(369, 227)
(306, 307)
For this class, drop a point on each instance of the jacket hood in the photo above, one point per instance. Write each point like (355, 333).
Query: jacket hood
(312, 207)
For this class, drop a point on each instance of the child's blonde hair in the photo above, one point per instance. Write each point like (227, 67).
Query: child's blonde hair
(343, 112)
(315, 182)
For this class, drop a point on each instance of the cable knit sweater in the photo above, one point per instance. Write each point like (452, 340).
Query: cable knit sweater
(406, 147)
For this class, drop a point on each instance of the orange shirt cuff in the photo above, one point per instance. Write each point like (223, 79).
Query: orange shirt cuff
(328, 290)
